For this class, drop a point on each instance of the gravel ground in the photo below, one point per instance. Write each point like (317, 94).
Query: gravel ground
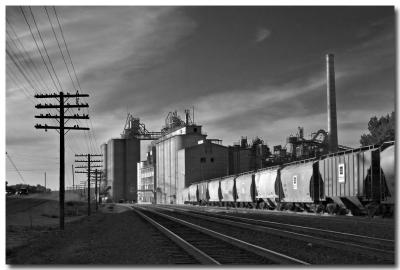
(108, 237)
(115, 235)
(376, 227)
(311, 253)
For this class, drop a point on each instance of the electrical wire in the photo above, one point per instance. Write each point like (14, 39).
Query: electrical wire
(16, 39)
(59, 47)
(69, 73)
(73, 67)
(12, 162)
(38, 48)
(45, 49)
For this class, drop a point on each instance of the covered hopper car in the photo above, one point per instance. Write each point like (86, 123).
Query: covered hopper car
(346, 181)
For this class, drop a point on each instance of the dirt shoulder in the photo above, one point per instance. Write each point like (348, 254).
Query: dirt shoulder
(111, 236)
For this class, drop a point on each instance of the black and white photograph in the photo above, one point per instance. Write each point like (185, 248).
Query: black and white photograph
(199, 135)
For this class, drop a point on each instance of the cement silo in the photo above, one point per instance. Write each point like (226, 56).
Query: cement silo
(122, 158)
(167, 174)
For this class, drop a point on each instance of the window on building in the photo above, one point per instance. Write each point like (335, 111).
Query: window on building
(212, 159)
(203, 160)
(194, 129)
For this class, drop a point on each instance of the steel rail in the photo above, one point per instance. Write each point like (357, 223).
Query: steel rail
(302, 237)
(199, 255)
(263, 252)
(337, 219)
(368, 239)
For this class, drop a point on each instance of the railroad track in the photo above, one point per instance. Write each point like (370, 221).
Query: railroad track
(333, 218)
(211, 247)
(364, 245)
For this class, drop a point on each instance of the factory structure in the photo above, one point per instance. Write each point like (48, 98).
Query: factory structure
(181, 154)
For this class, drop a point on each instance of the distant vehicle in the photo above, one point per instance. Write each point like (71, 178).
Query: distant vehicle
(23, 191)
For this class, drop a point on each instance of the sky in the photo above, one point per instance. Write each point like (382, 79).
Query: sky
(247, 71)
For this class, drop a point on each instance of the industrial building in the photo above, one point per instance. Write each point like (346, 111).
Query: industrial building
(244, 157)
(177, 135)
(206, 160)
(145, 178)
(121, 156)
(180, 154)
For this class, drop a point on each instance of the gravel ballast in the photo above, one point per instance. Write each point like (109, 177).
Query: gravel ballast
(103, 238)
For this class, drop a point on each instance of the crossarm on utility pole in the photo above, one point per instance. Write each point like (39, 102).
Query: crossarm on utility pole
(61, 107)
(84, 116)
(38, 126)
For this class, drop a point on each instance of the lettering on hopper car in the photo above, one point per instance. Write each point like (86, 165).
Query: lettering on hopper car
(341, 178)
(294, 181)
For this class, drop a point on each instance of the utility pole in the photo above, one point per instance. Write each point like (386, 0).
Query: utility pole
(73, 178)
(88, 167)
(45, 188)
(97, 179)
(62, 108)
(95, 188)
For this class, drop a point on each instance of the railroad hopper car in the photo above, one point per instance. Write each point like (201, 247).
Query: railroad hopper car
(184, 195)
(228, 190)
(203, 193)
(265, 188)
(214, 192)
(300, 186)
(193, 194)
(245, 190)
(387, 173)
(268, 188)
(351, 180)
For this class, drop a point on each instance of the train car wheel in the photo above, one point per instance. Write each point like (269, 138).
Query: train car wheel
(261, 205)
(332, 208)
(280, 206)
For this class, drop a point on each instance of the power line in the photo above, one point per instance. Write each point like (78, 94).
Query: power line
(37, 46)
(59, 47)
(22, 70)
(66, 47)
(19, 67)
(12, 162)
(26, 92)
(61, 97)
(25, 55)
(88, 172)
(41, 55)
(89, 140)
(73, 67)
(18, 55)
(65, 62)
(45, 49)
(25, 52)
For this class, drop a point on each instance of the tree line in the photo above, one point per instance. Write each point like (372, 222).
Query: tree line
(31, 189)
(380, 130)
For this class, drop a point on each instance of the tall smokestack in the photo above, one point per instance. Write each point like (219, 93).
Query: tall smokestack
(332, 118)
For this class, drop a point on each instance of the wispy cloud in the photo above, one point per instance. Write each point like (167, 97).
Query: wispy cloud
(150, 60)
(108, 45)
(262, 34)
